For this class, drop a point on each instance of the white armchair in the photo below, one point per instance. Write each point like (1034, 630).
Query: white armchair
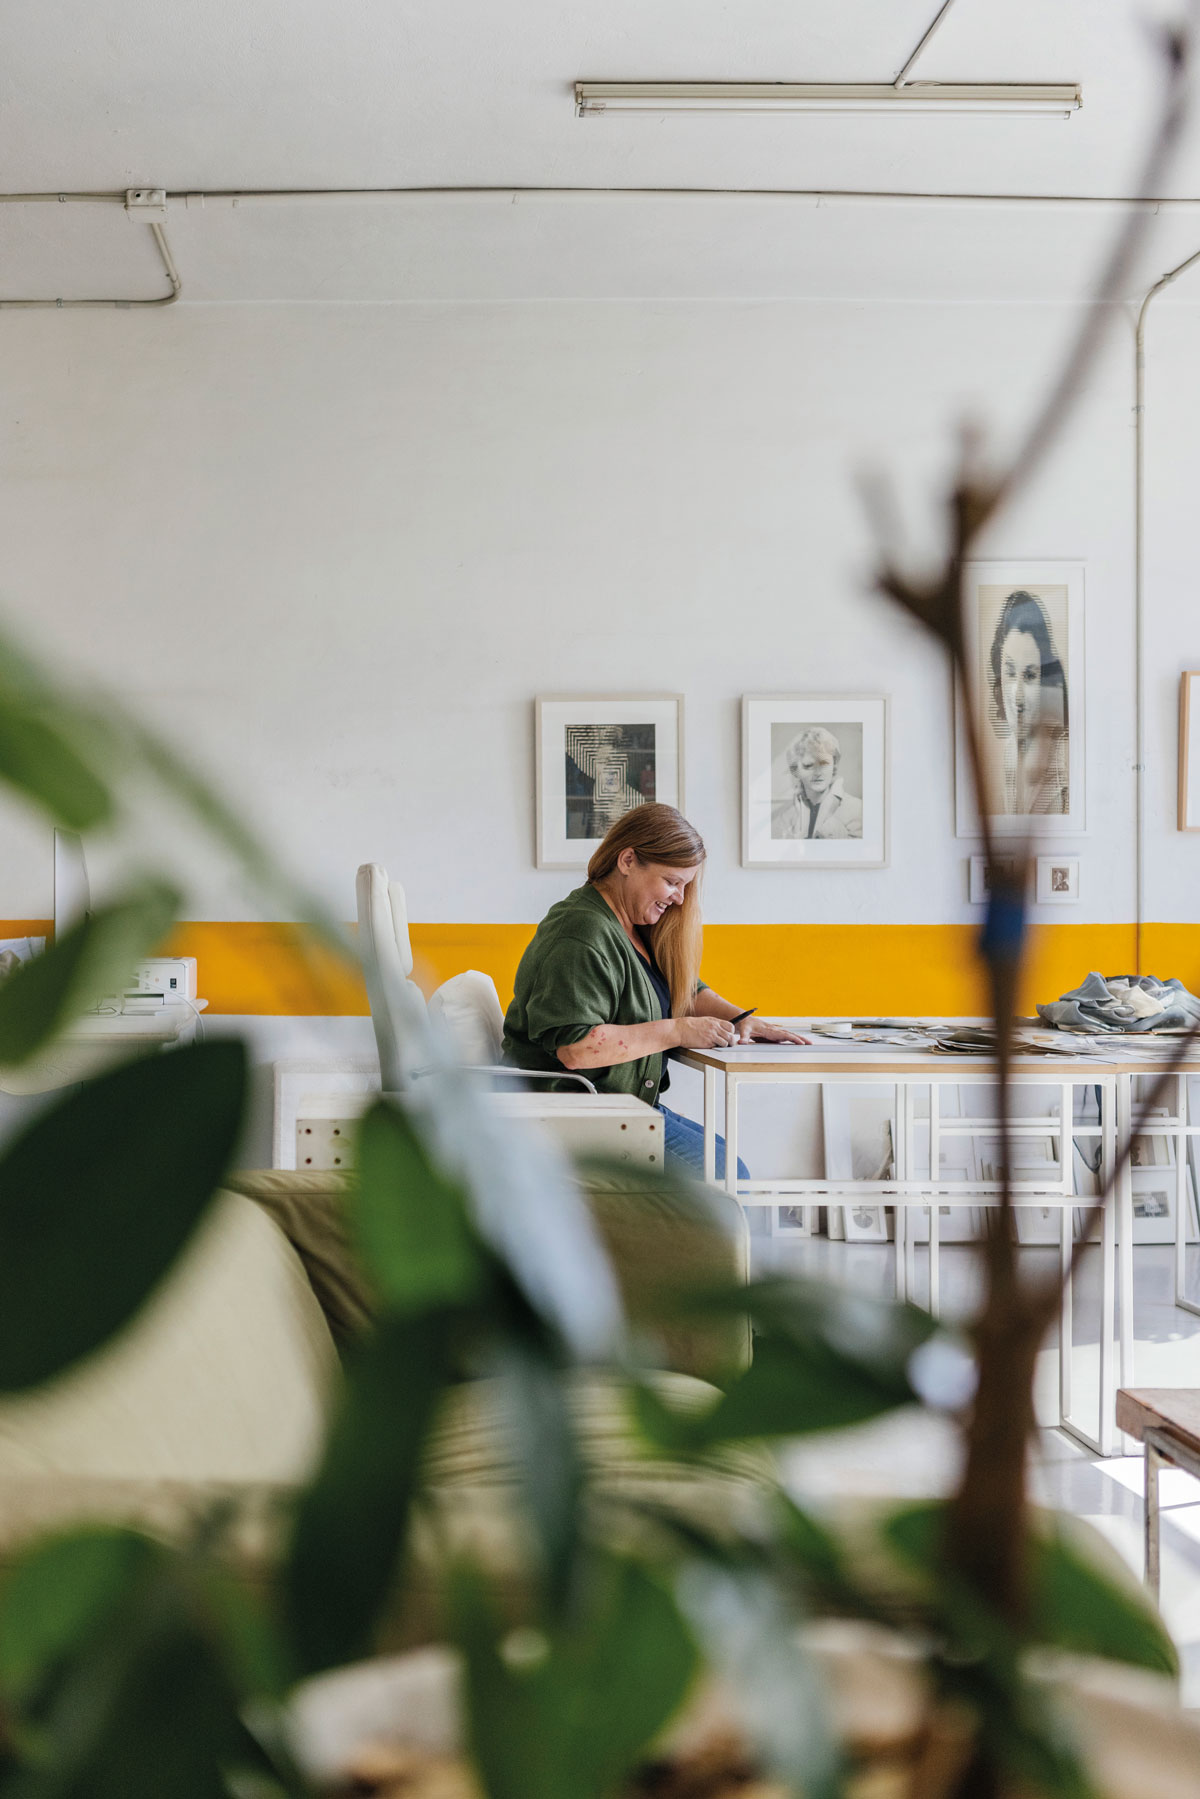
(467, 1003)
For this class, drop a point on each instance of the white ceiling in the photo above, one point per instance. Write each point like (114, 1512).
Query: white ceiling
(218, 95)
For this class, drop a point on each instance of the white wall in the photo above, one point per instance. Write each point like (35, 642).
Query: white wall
(337, 551)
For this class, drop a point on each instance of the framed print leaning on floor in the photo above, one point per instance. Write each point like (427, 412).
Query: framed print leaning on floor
(598, 756)
(814, 781)
(1024, 655)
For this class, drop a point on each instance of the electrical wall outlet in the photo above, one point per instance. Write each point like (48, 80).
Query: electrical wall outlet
(325, 1142)
(172, 976)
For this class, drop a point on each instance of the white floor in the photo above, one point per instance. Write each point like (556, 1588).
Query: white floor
(915, 1454)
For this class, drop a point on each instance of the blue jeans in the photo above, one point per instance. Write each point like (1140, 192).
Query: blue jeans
(685, 1146)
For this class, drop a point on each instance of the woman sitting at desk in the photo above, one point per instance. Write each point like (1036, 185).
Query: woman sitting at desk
(610, 985)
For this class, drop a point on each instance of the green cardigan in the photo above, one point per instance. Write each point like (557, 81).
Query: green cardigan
(581, 970)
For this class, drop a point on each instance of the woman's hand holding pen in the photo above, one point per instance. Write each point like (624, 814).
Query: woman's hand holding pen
(699, 1032)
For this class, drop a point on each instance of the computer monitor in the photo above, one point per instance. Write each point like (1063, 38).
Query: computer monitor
(72, 896)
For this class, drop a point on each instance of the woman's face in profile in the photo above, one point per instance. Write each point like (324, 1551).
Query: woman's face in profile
(1021, 682)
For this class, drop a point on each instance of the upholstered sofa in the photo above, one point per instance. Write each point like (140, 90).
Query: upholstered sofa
(219, 1390)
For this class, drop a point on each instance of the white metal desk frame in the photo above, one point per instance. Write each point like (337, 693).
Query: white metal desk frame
(908, 1070)
(1179, 1127)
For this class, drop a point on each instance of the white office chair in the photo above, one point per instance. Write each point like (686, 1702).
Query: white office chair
(468, 1004)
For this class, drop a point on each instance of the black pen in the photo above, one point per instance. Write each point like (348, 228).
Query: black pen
(744, 1014)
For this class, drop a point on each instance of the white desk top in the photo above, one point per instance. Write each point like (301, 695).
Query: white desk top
(166, 1025)
(1066, 1056)
(95, 1040)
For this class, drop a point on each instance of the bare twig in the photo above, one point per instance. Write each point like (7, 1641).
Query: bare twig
(987, 1538)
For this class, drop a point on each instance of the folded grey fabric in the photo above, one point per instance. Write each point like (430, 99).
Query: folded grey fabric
(1125, 1002)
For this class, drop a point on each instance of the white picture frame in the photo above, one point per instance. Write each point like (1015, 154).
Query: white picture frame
(978, 888)
(842, 828)
(629, 746)
(1031, 1156)
(1154, 1191)
(958, 1220)
(1057, 880)
(1036, 775)
(1189, 750)
(859, 1125)
(794, 1221)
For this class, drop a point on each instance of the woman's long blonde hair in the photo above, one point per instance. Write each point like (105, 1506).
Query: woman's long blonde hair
(659, 834)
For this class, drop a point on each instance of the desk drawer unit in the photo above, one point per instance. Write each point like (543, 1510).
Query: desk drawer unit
(606, 1124)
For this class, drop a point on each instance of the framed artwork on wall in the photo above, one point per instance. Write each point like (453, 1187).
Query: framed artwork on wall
(1189, 750)
(1025, 663)
(978, 886)
(598, 756)
(1057, 880)
(814, 781)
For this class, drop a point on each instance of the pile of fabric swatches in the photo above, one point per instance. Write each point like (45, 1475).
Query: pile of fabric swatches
(1133, 1003)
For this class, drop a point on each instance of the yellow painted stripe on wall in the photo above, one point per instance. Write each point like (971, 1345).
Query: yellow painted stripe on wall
(270, 969)
(903, 969)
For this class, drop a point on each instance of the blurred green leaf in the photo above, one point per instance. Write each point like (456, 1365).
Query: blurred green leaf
(99, 1196)
(352, 1521)
(39, 761)
(876, 1334)
(1075, 1606)
(788, 1390)
(142, 1708)
(250, 1643)
(409, 1221)
(980, 1661)
(825, 1358)
(95, 957)
(750, 1636)
(566, 1714)
(534, 1397)
(55, 1596)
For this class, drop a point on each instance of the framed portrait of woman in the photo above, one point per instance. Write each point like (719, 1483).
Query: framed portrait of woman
(1025, 666)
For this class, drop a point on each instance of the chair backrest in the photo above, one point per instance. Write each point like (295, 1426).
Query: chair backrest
(387, 961)
(470, 1006)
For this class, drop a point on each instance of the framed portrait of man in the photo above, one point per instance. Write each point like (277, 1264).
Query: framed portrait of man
(1024, 657)
(598, 756)
(814, 781)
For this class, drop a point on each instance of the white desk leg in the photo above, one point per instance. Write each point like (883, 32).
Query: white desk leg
(731, 1173)
(1181, 1189)
(1108, 1285)
(1124, 1085)
(935, 1169)
(1066, 1321)
(901, 1216)
(710, 1125)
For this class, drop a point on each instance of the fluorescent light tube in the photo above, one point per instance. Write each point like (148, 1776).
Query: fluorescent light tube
(1057, 99)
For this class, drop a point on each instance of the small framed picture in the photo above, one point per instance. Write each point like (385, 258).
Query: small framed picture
(860, 1133)
(1057, 880)
(1154, 1205)
(1024, 649)
(958, 1221)
(1189, 750)
(979, 886)
(1034, 1161)
(814, 781)
(597, 757)
(794, 1221)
